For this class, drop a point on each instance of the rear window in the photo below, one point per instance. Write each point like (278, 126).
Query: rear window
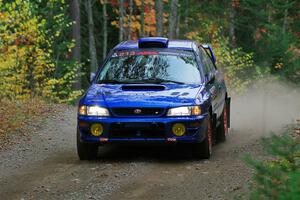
(148, 65)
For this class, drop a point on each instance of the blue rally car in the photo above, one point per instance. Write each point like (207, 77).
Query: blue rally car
(155, 90)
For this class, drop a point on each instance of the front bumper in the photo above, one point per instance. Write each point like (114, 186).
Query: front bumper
(118, 130)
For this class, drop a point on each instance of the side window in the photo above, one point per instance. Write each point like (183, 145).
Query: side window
(210, 63)
(208, 66)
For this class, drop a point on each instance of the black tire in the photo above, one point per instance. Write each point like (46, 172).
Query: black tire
(203, 150)
(222, 130)
(86, 151)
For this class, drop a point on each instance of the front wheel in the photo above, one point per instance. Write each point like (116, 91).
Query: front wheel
(86, 151)
(204, 149)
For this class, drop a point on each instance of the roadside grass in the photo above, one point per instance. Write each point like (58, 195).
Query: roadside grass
(278, 176)
(16, 115)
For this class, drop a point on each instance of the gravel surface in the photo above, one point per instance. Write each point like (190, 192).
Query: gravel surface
(44, 165)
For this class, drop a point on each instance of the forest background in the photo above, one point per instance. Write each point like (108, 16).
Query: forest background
(49, 47)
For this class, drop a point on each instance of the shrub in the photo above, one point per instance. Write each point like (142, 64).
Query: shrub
(278, 177)
(14, 115)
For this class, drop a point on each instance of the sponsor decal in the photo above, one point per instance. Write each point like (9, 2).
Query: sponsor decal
(146, 53)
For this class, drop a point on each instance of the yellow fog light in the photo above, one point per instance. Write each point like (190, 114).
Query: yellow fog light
(178, 129)
(96, 129)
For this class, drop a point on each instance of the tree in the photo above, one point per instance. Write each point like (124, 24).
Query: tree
(172, 18)
(159, 17)
(121, 20)
(233, 6)
(186, 15)
(285, 18)
(178, 26)
(76, 51)
(130, 18)
(104, 28)
(92, 43)
(142, 19)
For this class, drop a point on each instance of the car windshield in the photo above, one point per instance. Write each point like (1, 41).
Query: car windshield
(150, 67)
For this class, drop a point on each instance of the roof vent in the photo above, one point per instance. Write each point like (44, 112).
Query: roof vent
(153, 42)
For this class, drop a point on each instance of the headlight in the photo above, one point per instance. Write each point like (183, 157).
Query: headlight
(93, 111)
(184, 111)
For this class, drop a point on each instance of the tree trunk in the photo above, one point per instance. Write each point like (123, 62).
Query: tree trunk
(130, 18)
(142, 19)
(104, 29)
(121, 18)
(159, 7)
(232, 25)
(285, 21)
(269, 9)
(172, 18)
(186, 16)
(76, 51)
(92, 43)
(178, 27)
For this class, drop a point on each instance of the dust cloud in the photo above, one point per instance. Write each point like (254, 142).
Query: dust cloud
(266, 108)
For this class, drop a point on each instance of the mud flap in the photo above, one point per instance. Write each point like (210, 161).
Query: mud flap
(228, 101)
(214, 128)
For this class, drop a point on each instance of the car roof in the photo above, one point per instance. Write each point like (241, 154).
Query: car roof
(171, 44)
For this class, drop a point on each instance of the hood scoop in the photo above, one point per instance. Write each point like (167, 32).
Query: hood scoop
(143, 87)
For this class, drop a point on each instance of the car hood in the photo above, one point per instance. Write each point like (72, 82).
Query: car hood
(142, 95)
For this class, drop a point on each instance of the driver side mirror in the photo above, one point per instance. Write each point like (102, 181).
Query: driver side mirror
(92, 77)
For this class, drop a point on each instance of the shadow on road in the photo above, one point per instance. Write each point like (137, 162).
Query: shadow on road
(142, 153)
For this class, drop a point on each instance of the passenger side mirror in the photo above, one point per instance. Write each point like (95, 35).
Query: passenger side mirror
(212, 55)
(210, 52)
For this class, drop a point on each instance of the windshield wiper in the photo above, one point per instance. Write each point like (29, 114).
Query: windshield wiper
(150, 80)
(159, 80)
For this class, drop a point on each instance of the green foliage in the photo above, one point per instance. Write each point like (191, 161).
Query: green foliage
(270, 29)
(277, 51)
(279, 177)
(29, 62)
(238, 67)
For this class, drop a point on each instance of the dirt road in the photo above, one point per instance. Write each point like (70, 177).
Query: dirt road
(45, 165)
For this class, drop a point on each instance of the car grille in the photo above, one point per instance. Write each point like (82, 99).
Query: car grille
(137, 130)
(134, 112)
